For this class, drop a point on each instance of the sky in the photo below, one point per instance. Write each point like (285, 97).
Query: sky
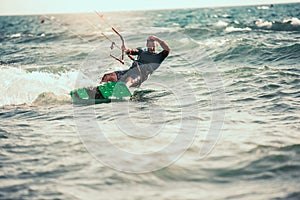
(25, 7)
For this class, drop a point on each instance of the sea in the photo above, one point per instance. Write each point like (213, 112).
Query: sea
(219, 119)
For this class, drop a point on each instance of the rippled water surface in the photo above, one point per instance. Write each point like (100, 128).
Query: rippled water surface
(219, 119)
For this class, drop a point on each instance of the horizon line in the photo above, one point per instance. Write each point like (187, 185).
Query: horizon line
(141, 10)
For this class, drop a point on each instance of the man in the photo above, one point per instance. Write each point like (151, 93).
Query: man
(145, 64)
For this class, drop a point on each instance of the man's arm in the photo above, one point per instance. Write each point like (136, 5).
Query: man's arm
(162, 43)
(132, 51)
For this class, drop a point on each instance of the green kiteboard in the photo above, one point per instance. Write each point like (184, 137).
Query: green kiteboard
(101, 94)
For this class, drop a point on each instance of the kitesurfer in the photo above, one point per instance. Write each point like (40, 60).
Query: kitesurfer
(146, 63)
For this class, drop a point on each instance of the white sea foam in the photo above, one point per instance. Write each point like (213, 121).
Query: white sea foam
(260, 23)
(226, 16)
(263, 7)
(233, 29)
(221, 24)
(19, 86)
(213, 42)
(16, 35)
(294, 21)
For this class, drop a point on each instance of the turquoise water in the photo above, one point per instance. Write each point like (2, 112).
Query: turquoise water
(219, 119)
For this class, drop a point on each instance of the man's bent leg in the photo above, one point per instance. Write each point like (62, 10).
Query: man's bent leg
(135, 82)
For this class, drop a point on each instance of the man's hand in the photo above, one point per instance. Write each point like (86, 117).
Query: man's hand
(152, 37)
(123, 47)
(127, 51)
(162, 43)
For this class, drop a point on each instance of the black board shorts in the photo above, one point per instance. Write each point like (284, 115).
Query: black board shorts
(125, 74)
(121, 73)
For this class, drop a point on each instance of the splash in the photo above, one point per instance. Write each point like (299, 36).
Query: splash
(22, 87)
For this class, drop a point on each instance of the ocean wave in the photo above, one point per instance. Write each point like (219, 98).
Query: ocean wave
(293, 21)
(221, 24)
(290, 24)
(47, 69)
(21, 36)
(23, 87)
(247, 51)
(263, 7)
(268, 162)
(289, 196)
(260, 23)
(49, 98)
(231, 29)
(18, 35)
(31, 37)
(260, 71)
